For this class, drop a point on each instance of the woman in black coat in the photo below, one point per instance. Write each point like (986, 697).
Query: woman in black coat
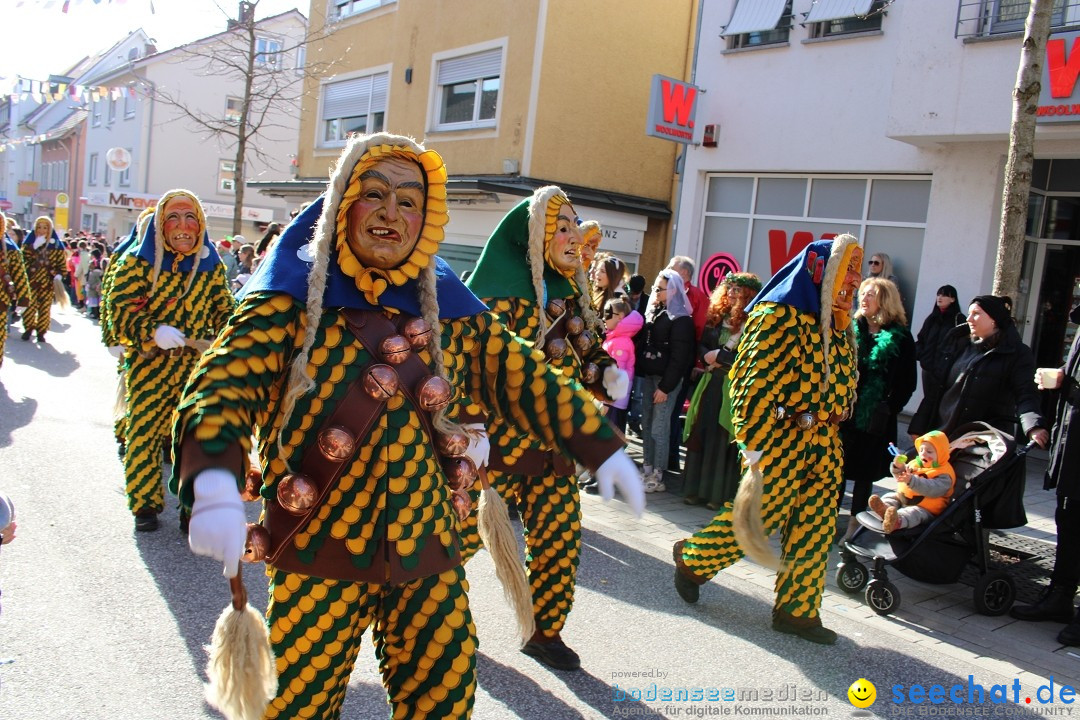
(989, 376)
(930, 352)
(1056, 603)
(665, 351)
(886, 353)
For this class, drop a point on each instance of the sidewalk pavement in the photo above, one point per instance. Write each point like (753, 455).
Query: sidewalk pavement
(941, 616)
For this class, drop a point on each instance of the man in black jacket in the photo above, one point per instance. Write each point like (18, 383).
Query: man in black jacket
(1056, 603)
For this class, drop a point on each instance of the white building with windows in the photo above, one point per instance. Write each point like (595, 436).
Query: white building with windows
(161, 121)
(889, 120)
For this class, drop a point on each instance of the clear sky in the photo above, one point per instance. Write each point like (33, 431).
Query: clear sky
(41, 40)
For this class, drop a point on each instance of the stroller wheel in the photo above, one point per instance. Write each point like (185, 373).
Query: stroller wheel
(882, 596)
(994, 593)
(851, 577)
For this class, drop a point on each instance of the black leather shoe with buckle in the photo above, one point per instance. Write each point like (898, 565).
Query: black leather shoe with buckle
(146, 521)
(553, 653)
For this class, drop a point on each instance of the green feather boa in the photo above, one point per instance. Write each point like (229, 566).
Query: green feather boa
(872, 389)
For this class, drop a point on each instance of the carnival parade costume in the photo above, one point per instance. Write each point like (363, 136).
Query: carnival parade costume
(44, 259)
(792, 381)
(361, 475)
(153, 286)
(14, 285)
(516, 276)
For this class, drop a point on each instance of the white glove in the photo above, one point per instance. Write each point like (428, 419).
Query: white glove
(616, 382)
(479, 445)
(752, 457)
(39, 241)
(58, 277)
(117, 351)
(218, 527)
(619, 471)
(167, 337)
(20, 310)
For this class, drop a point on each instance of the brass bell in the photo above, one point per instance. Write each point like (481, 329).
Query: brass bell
(589, 374)
(583, 342)
(380, 382)
(574, 325)
(252, 484)
(460, 473)
(257, 546)
(462, 504)
(296, 493)
(395, 349)
(451, 444)
(417, 332)
(434, 393)
(556, 349)
(336, 443)
(555, 308)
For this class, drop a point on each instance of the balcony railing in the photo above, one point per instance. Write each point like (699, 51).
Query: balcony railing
(986, 18)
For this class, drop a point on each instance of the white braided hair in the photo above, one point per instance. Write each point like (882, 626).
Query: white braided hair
(321, 248)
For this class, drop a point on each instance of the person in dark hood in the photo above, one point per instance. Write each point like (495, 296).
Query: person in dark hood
(930, 352)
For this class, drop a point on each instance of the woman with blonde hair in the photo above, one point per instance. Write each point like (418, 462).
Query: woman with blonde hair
(886, 355)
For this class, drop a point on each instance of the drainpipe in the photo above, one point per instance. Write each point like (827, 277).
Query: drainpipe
(680, 161)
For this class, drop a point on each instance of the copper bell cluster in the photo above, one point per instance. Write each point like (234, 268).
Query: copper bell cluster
(257, 546)
(578, 340)
(460, 472)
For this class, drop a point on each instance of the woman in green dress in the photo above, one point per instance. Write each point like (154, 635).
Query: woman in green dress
(712, 458)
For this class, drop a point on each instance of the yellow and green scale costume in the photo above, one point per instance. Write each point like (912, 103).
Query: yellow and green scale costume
(386, 524)
(42, 265)
(522, 467)
(781, 363)
(11, 270)
(197, 307)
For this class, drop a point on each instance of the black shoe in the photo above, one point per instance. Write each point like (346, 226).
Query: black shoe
(593, 489)
(41, 337)
(807, 628)
(688, 589)
(185, 521)
(26, 335)
(1071, 634)
(146, 521)
(553, 653)
(1055, 604)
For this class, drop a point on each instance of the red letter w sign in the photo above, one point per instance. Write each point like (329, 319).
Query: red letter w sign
(672, 106)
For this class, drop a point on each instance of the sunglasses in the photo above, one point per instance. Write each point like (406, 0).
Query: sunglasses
(609, 313)
(875, 262)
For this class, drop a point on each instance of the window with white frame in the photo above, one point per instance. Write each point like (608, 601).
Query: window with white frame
(301, 59)
(95, 112)
(227, 176)
(124, 176)
(112, 110)
(92, 171)
(754, 24)
(347, 8)
(849, 23)
(468, 90)
(129, 103)
(233, 109)
(267, 52)
(107, 181)
(353, 106)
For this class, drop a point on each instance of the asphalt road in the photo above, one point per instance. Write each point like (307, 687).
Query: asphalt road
(101, 622)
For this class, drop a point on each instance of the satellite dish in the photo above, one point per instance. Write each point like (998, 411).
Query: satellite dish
(118, 158)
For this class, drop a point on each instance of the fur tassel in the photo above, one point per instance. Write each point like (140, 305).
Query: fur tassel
(746, 520)
(242, 671)
(498, 536)
(120, 404)
(60, 296)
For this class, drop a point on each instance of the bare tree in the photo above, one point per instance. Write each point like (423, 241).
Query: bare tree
(1017, 191)
(270, 91)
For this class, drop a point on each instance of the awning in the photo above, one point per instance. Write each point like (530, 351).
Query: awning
(823, 10)
(754, 16)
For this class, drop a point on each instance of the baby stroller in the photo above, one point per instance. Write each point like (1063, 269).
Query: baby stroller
(988, 494)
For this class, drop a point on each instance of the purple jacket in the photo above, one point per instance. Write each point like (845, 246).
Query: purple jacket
(619, 344)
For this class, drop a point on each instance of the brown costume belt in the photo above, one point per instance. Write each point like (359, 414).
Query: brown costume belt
(532, 462)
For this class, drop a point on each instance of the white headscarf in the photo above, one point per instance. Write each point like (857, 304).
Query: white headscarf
(679, 304)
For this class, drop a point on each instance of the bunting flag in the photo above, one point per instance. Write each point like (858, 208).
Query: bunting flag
(43, 91)
(65, 5)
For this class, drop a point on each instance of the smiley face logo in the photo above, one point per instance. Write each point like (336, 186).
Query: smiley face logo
(862, 693)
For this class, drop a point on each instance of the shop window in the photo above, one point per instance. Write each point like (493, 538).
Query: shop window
(781, 196)
(852, 23)
(353, 106)
(844, 199)
(756, 22)
(467, 90)
(730, 195)
(899, 200)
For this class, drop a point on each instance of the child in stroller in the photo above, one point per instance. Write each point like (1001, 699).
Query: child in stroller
(924, 485)
(988, 494)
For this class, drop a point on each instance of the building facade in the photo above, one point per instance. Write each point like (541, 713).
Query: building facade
(889, 120)
(514, 95)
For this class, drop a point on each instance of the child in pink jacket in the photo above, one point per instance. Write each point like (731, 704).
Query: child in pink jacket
(622, 324)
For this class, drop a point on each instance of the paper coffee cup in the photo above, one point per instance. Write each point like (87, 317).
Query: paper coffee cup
(1049, 378)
